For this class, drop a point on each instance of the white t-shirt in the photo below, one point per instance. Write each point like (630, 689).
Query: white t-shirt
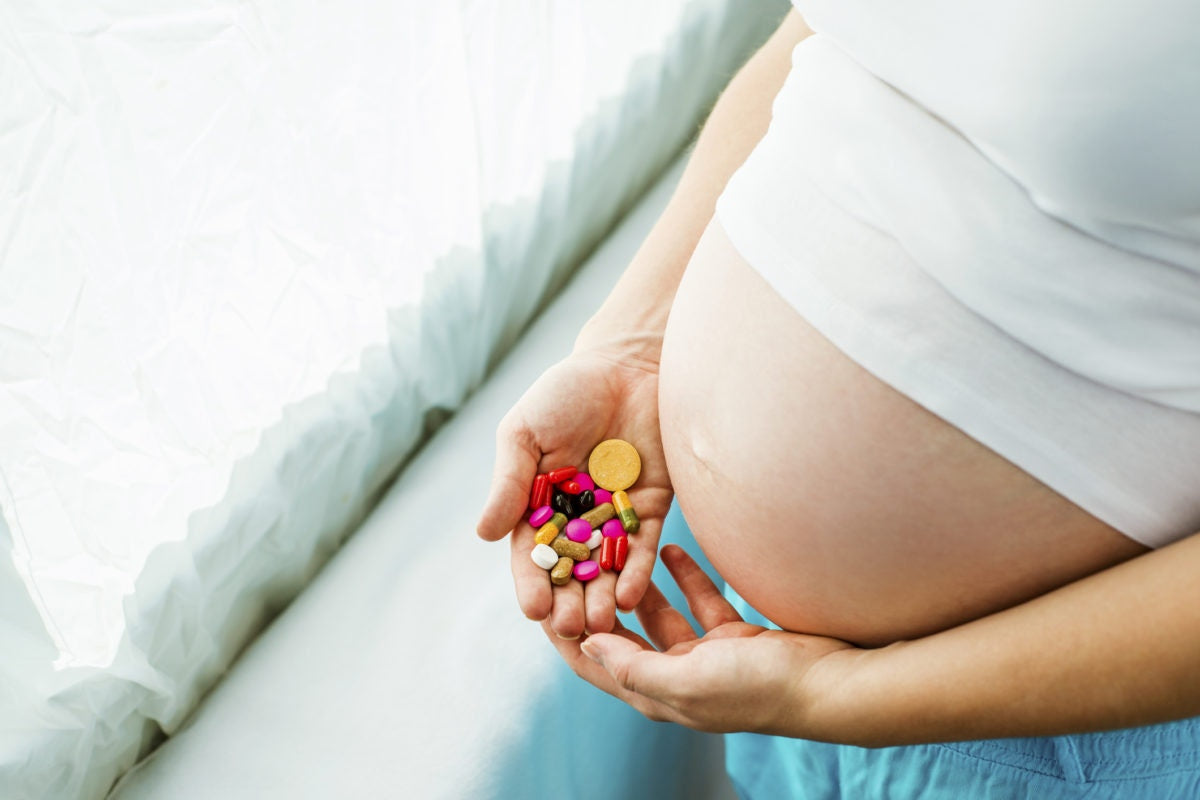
(996, 209)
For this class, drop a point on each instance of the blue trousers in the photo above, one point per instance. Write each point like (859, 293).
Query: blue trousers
(1158, 762)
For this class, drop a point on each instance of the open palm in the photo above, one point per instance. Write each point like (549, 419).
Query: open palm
(586, 398)
(734, 677)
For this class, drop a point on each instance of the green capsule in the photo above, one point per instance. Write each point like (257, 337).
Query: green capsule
(599, 515)
(625, 513)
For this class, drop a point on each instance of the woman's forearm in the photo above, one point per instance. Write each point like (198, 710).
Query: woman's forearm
(1116, 649)
(641, 299)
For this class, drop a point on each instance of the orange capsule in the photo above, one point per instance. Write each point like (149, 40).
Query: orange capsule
(550, 530)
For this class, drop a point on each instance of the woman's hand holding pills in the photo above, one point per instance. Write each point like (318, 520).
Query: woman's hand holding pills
(592, 396)
(736, 677)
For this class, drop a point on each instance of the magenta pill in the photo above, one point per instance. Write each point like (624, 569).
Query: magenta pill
(579, 530)
(602, 496)
(612, 528)
(585, 482)
(540, 517)
(586, 570)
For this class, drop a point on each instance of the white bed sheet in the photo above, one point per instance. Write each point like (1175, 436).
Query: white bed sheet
(250, 253)
(406, 668)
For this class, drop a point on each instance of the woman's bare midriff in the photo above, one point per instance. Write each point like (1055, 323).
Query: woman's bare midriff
(832, 503)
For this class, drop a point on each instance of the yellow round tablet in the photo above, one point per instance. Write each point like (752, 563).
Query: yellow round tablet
(614, 465)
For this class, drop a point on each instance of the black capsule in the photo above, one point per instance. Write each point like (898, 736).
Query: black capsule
(587, 500)
(558, 501)
(572, 504)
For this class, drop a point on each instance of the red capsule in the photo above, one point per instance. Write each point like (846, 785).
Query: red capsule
(540, 494)
(570, 487)
(608, 551)
(622, 552)
(561, 474)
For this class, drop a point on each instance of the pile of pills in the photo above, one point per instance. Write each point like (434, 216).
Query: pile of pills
(576, 513)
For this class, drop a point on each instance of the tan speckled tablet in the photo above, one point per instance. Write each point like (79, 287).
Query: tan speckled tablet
(614, 465)
(560, 575)
(576, 551)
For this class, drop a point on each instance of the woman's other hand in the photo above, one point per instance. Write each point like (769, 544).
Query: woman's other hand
(736, 677)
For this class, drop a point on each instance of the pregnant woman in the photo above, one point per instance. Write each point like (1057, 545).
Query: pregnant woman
(916, 349)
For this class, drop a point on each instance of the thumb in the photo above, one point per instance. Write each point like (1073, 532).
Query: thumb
(512, 477)
(633, 667)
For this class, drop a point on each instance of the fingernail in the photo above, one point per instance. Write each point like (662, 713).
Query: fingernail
(568, 638)
(590, 650)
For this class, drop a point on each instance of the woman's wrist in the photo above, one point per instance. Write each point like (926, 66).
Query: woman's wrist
(846, 697)
(626, 344)
(828, 703)
(1113, 650)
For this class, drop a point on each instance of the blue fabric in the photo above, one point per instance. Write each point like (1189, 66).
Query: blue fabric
(675, 531)
(1158, 762)
(1155, 763)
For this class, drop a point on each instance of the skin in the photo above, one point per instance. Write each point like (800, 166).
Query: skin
(828, 500)
(1092, 633)
(1113, 650)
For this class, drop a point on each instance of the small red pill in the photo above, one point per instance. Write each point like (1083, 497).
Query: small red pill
(540, 494)
(608, 551)
(561, 474)
(622, 552)
(570, 487)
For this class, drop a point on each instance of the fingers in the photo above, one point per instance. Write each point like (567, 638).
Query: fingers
(581, 664)
(592, 671)
(665, 626)
(530, 581)
(639, 673)
(561, 606)
(704, 599)
(600, 603)
(566, 617)
(635, 577)
(570, 650)
(517, 456)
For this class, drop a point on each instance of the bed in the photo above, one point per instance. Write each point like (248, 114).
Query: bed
(254, 255)
(406, 669)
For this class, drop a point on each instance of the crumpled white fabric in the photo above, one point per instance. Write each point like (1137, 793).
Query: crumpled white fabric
(249, 254)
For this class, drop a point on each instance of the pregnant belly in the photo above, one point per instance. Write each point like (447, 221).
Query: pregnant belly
(829, 501)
